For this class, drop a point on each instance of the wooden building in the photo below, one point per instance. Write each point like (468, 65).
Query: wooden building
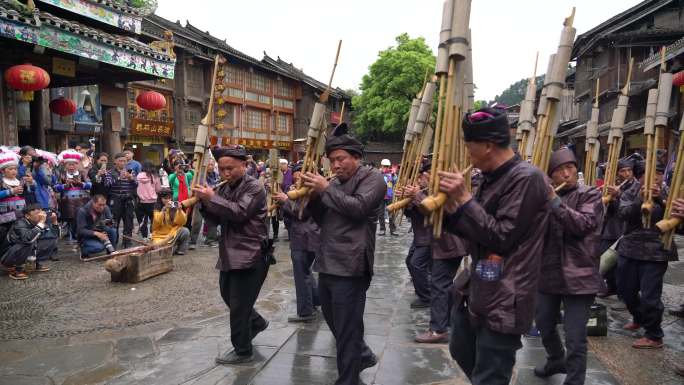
(89, 49)
(263, 104)
(603, 53)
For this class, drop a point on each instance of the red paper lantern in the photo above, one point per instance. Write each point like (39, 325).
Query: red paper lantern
(678, 79)
(63, 107)
(27, 78)
(151, 100)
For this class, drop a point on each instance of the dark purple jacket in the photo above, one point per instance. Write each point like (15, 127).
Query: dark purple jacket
(614, 226)
(347, 214)
(570, 264)
(305, 235)
(638, 242)
(422, 233)
(448, 246)
(240, 209)
(508, 217)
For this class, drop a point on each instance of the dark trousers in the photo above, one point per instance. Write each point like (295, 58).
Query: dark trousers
(383, 215)
(145, 213)
(443, 273)
(609, 276)
(194, 224)
(576, 315)
(275, 225)
(305, 283)
(239, 290)
(17, 254)
(418, 263)
(640, 284)
(485, 356)
(343, 300)
(123, 210)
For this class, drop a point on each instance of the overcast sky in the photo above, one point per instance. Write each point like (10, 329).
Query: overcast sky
(506, 33)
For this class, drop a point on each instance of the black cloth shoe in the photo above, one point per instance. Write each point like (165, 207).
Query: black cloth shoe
(232, 358)
(419, 304)
(303, 318)
(392, 233)
(550, 368)
(369, 363)
(382, 233)
(259, 330)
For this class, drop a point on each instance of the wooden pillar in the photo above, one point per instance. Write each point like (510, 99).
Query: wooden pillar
(38, 119)
(111, 131)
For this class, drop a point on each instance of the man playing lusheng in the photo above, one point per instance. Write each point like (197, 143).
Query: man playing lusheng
(346, 209)
(570, 269)
(504, 223)
(239, 207)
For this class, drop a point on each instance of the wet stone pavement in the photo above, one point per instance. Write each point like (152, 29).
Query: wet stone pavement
(73, 326)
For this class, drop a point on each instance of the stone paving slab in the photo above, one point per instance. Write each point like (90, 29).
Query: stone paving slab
(175, 339)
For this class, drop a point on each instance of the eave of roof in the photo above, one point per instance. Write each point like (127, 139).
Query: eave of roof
(587, 40)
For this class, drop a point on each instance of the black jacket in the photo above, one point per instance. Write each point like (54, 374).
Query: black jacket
(86, 224)
(347, 214)
(638, 242)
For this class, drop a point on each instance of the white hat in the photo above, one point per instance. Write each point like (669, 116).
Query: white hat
(8, 159)
(282, 161)
(385, 162)
(69, 156)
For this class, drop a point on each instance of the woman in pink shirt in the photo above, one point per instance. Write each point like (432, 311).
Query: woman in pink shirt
(149, 185)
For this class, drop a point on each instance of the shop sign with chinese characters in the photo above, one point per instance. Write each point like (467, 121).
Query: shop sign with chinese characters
(151, 128)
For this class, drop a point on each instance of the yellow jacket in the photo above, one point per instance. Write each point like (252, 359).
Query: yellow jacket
(163, 230)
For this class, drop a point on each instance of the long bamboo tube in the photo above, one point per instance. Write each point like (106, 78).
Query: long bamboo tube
(553, 84)
(669, 223)
(615, 136)
(653, 141)
(592, 149)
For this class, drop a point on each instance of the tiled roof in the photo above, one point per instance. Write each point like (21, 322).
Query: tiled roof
(300, 75)
(587, 40)
(39, 18)
(195, 34)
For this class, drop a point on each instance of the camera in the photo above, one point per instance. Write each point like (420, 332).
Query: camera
(174, 205)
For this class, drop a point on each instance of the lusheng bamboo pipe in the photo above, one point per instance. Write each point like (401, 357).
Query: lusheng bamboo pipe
(653, 141)
(617, 124)
(560, 187)
(304, 191)
(606, 198)
(193, 200)
(434, 202)
(668, 224)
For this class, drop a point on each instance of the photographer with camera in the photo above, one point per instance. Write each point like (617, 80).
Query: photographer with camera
(22, 242)
(98, 174)
(122, 188)
(168, 223)
(95, 229)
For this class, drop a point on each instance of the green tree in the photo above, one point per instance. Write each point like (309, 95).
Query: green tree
(515, 93)
(382, 108)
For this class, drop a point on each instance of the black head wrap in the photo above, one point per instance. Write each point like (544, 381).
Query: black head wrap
(486, 125)
(341, 140)
(296, 167)
(561, 157)
(237, 152)
(660, 167)
(625, 163)
(426, 167)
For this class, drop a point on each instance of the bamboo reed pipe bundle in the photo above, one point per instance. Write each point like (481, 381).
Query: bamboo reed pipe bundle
(593, 145)
(653, 141)
(554, 83)
(615, 136)
(668, 224)
(526, 120)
